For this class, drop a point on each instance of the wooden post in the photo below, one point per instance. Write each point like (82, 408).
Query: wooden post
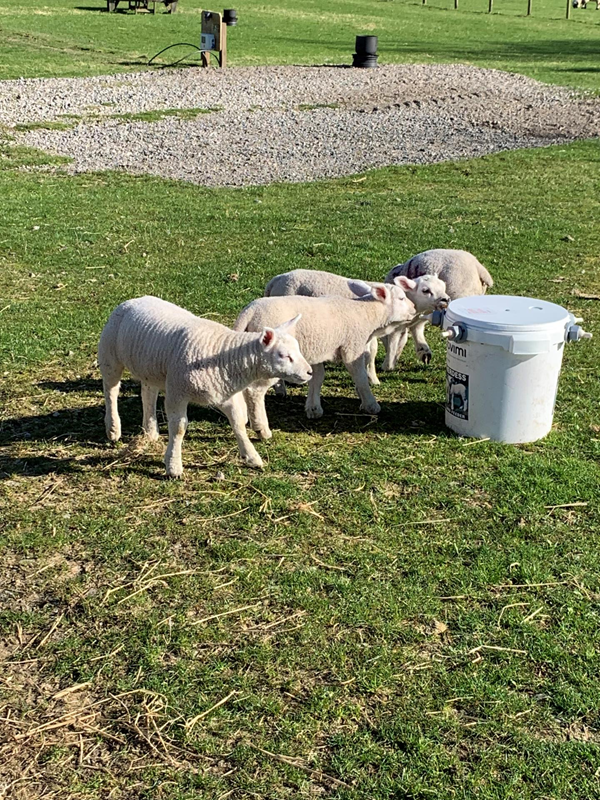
(424, 2)
(529, 7)
(568, 9)
(491, 6)
(455, 3)
(213, 25)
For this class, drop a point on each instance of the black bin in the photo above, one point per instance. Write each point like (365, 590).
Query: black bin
(366, 52)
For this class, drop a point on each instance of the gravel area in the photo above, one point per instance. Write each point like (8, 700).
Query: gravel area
(274, 123)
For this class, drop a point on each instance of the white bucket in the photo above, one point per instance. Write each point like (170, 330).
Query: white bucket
(502, 365)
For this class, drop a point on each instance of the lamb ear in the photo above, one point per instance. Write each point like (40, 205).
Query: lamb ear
(381, 292)
(405, 283)
(359, 288)
(267, 338)
(288, 327)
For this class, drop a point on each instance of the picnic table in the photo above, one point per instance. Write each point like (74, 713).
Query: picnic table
(145, 6)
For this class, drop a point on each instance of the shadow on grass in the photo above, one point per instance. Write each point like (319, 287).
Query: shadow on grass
(577, 69)
(101, 9)
(343, 415)
(533, 51)
(73, 441)
(84, 426)
(104, 10)
(552, 50)
(84, 386)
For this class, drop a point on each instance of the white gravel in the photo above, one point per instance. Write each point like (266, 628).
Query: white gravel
(262, 133)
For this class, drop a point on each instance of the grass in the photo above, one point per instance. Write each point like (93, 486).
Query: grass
(49, 125)
(386, 611)
(64, 38)
(143, 116)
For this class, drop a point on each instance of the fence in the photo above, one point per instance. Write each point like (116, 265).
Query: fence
(529, 6)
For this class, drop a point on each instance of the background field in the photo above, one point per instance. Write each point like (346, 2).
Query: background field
(64, 37)
(386, 611)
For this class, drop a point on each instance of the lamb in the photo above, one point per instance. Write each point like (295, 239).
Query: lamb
(427, 293)
(193, 360)
(583, 4)
(310, 283)
(462, 273)
(331, 329)
(463, 276)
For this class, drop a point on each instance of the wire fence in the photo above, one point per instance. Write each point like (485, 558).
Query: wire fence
(573, 8)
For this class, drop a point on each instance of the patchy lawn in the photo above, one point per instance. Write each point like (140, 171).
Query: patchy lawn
(385, 611)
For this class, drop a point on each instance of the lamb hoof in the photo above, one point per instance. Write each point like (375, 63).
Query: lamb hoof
(374, 380)
(255, 462)
(152, 436)
(371, 408)
(314, 412)
(175, 471)
(387, 367)
(425, 356)
(114, 434)
(264, 434)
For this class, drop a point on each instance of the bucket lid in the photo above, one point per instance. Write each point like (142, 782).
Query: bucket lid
(499, 313)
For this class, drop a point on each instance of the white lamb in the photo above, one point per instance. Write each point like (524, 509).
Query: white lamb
(463, 276)
(331, 329)
(427, 293)
(193, 360)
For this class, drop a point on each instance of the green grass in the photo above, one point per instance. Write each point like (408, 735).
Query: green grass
(142, 116)
(403, 615)
(154, 116)
(64, 37)
(50, 125)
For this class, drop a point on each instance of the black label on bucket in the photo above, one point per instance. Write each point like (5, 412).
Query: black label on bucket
(457, 393)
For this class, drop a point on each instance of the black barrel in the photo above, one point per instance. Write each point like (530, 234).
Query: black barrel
(366, 52)
(230, 16)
